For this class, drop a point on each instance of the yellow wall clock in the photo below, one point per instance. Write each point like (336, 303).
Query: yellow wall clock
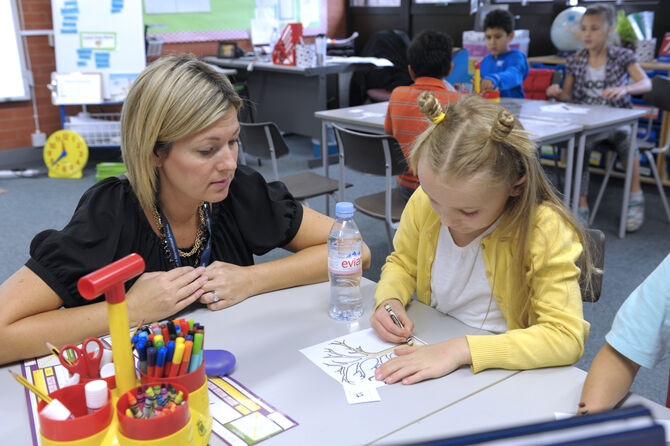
(65, 154)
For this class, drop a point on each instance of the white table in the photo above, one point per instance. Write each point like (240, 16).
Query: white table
(370, 118)
(266, 333)
(599, 118)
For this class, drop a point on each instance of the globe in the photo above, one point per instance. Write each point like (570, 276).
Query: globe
(566, 30)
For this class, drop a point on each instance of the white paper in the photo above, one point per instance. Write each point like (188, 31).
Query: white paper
(377, 61)
(564, 108)
(353, 358)
(361, 393)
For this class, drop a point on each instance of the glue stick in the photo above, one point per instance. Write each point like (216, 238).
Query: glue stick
(96, 394)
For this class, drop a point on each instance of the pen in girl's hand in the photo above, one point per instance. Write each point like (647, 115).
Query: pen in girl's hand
(394, 318)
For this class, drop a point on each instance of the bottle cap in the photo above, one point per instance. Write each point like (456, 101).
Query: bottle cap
(96, 393)
(55, 410)
(344, 209)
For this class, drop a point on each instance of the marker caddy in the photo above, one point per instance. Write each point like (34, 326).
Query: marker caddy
(103, 427)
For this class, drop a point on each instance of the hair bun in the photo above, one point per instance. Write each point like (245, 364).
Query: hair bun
(429, 105)
(502, 126)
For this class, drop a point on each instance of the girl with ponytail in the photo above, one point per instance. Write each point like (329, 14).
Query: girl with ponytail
(487, 241)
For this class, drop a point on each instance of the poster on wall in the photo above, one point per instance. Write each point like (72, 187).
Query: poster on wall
(106, 37)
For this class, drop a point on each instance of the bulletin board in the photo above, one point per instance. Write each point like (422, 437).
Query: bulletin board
(228, 19)
(100, 36)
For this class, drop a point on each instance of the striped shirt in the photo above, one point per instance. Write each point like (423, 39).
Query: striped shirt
(405, 121)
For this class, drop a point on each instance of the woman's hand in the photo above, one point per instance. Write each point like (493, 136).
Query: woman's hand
(615, 92)
(554, 91)
(385, 327)
(415, 364)
(157, 295)
(232, 283)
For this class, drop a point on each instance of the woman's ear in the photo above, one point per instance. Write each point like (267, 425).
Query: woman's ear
(517, 188)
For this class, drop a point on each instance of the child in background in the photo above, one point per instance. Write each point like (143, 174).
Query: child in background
(598, 75)
(485, 240)
(640, 336)
(504, 69)
(429, 57)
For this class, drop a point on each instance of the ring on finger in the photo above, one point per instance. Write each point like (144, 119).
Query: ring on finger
(216, 296)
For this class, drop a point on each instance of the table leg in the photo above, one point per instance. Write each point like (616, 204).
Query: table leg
(577, 174)
(324, 159)
(629, 179)
(568, 171)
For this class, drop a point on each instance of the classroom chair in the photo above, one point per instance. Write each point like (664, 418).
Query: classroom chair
(658, 97)
(596, 240)
(536, 83)
(377, 155)
(263, 140)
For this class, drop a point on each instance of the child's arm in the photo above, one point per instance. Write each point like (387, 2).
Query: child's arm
(512, 76)
(641, 85)
(609, 379)
(562, 94)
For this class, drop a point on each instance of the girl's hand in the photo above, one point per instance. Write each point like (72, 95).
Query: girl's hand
(385, 327)
(415, 364)
(554, 91)
(487, 84)
(232, 284)
(615, 92)
(157, 295)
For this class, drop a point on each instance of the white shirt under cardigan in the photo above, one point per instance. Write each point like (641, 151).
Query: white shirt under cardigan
(459, 286)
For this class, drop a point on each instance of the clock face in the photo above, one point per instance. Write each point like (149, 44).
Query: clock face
(65, 154)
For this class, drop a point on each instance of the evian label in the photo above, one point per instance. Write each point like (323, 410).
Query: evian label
(344, 262)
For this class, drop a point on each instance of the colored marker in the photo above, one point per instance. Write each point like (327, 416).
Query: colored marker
(176, 359)
(196, 356)
(151, 361)
(186, 358)
(160, 362)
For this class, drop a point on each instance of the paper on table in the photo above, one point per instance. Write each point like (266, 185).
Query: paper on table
(353, 358)
(380, 62)
(361, 393)
(564, 108)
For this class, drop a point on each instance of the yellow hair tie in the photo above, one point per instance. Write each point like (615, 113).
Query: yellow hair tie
(437, 119)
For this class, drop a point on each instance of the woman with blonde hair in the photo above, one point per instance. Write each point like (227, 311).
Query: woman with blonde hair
(485, 240)
(194, 216)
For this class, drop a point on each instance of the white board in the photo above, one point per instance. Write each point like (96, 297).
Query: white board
(14, 85)
(91, 36)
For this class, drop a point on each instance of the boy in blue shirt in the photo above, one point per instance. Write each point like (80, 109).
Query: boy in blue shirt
(503, 69)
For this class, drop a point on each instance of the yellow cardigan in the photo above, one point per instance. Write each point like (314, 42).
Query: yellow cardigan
(557, 329)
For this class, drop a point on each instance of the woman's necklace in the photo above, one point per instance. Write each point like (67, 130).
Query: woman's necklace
(197, 244)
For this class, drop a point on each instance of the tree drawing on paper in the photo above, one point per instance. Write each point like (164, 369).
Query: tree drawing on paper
(353, 364)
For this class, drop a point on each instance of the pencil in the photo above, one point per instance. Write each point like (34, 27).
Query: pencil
(41, 395)
(56, 352)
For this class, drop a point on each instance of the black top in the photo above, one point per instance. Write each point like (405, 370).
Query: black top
(109, 224)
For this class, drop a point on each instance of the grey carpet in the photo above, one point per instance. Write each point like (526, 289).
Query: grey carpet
(33, 204)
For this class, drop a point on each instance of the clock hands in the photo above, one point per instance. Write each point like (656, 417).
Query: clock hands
(62, 155)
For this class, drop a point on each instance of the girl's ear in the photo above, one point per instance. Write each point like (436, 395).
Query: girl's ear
(517, 188)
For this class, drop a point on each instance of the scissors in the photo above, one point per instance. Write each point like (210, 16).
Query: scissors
(86, 360)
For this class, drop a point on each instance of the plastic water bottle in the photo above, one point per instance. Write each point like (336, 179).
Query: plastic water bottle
(344, 265)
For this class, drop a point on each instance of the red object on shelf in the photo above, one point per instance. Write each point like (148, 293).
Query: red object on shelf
(284, 50)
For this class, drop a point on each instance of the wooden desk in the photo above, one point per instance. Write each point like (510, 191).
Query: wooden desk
(371, 117)
(286, 95)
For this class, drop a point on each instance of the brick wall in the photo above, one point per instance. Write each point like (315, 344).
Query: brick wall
(16, 118)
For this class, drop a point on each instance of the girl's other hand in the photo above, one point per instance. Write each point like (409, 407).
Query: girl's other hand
(385, 327)
(615, 92)
(415, 364)
(554, 91)
(157, 295)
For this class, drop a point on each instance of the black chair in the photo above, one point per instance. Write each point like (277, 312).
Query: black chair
(263, 140)
(658, 97)
(596, 240)
(376, 155)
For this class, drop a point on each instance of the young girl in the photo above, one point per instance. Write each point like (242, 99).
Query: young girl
(598, 75)
(486, 240)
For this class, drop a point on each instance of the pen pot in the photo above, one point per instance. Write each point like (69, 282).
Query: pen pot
(171, 428)
(84, 429)
(196, 385)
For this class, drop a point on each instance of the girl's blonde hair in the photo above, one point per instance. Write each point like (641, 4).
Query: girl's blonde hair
(478, 137)
(174, 97)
